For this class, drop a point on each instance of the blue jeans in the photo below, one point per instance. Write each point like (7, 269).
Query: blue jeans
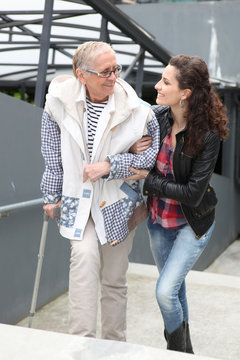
(175, 252)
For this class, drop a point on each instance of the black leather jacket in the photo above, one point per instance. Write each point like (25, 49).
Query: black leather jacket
(192, 175)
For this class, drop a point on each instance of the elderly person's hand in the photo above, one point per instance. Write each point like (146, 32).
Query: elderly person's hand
(49, 209)
(139, 174)
(141, 145)
(93, 172)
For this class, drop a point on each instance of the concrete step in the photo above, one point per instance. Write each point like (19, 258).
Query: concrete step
(214, 308)
(18, 343)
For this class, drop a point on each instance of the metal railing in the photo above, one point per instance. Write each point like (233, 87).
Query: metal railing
(49, 33)
(6, 209)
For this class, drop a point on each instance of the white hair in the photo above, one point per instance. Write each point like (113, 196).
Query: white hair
(86, 54)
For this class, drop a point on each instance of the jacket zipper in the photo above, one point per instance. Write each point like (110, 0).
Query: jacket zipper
(183, 154)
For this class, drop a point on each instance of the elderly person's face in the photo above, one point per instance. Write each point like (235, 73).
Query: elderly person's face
(99, 89)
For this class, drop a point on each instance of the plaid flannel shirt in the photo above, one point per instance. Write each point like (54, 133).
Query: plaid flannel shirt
(166, 212)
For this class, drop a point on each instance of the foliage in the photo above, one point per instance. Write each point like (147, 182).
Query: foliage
(17, 94)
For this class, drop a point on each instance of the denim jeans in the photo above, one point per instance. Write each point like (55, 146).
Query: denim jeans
(175, 252)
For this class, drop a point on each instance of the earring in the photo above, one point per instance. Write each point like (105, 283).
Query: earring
(182, 103)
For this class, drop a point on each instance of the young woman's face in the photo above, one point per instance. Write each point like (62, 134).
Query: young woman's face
(168, 91)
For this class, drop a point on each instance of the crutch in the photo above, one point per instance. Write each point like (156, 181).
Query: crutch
(56, 212)
(39, 268)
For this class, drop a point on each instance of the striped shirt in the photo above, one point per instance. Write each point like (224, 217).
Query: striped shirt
(166, 212)
(94, 111)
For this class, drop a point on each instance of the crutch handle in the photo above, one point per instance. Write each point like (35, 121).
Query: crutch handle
(57, 211)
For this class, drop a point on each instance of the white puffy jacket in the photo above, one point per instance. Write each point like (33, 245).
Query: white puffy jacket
(116, 206)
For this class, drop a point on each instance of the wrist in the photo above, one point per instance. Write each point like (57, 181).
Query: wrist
(146, 174)
(107, 167)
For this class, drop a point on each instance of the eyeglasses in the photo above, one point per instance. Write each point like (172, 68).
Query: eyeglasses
(107, 73)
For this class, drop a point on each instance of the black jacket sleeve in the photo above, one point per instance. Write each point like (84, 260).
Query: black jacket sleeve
(190, 193)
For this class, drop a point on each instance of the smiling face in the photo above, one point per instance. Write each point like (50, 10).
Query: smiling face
(168, 91)
(99, 89)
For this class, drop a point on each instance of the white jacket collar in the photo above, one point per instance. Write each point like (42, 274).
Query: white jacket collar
(72, 94)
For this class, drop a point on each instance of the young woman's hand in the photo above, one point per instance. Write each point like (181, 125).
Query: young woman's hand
(141, 145)
(139, 174)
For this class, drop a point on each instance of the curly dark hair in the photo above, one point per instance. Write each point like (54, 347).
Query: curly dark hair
(205, 109)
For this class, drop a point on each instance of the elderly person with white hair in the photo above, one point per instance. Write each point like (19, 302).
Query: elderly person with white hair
(89, 123)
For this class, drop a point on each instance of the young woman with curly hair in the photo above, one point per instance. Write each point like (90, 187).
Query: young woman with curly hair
(181, 201)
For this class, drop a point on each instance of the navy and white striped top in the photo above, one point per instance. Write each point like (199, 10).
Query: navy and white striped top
(93, 113)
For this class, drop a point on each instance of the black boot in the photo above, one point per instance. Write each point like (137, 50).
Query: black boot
(189, 348)
(177, 339)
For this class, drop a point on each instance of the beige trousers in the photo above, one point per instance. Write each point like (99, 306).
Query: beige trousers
(89, 263)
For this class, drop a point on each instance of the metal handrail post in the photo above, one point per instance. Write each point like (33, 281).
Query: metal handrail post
(43, 57)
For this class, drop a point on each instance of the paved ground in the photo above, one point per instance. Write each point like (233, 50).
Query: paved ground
(214, 302)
